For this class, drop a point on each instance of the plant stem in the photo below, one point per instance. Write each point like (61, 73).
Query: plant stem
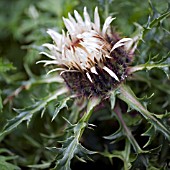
(127, 95)
(127, 131)
(84, 120)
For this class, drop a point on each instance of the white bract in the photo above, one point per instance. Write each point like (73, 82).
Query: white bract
(82, 46)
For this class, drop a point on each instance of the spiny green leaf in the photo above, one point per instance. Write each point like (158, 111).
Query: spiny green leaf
(27, 113)
(62, 104)
(34, 81)
(116, 135)
(127, 95)
(71, 147)
(157, 20)
(124, 155)
(134, 120)
(151, 133)
(148, 66)
(4, 165)
(4, 150)
(143, 161)
(13, 123)
(152, 23)
(164, 58)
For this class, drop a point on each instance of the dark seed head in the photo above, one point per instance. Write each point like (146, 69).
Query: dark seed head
(102, 83)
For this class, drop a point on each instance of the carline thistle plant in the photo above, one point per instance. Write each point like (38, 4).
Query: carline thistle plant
(95, 62)
(91, 59)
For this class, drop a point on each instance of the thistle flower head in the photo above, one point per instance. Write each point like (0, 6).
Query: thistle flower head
(92, 58)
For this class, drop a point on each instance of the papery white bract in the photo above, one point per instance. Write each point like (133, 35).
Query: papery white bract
(88, 53)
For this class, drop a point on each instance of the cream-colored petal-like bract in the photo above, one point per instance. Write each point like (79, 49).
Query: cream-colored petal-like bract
(93, 70)
(78, 17)
(96, 20)
(106, 24)
(69, 25)
(90, 57)
(120, 43)
(83, 45)
(111, 73)
(87, 19)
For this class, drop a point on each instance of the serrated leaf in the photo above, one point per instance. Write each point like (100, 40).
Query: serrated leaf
(127, 95)
(152, 23)
(125, 155)
(119, 133)
(62, 104)
(148, 66)
(71, 147)
(27, 113)
(4, 165)
(83, 152)
(157, 20)
(151, 133)
(13, 123)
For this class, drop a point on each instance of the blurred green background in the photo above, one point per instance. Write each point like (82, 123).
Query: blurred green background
(23, 26)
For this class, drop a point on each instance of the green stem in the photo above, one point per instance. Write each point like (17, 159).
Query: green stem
(127, 95)
(127, 131)
(146, 67)
(84, 120)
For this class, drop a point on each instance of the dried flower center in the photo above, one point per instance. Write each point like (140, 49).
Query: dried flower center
(102, 80)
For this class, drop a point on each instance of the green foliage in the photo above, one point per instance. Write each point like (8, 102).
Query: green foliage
(60, 106)
(71, 146)
(5, 165)
(1, 106)
(128, 96)
(124, 155)
(27, 113)
(43, 126)
(5, 66)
